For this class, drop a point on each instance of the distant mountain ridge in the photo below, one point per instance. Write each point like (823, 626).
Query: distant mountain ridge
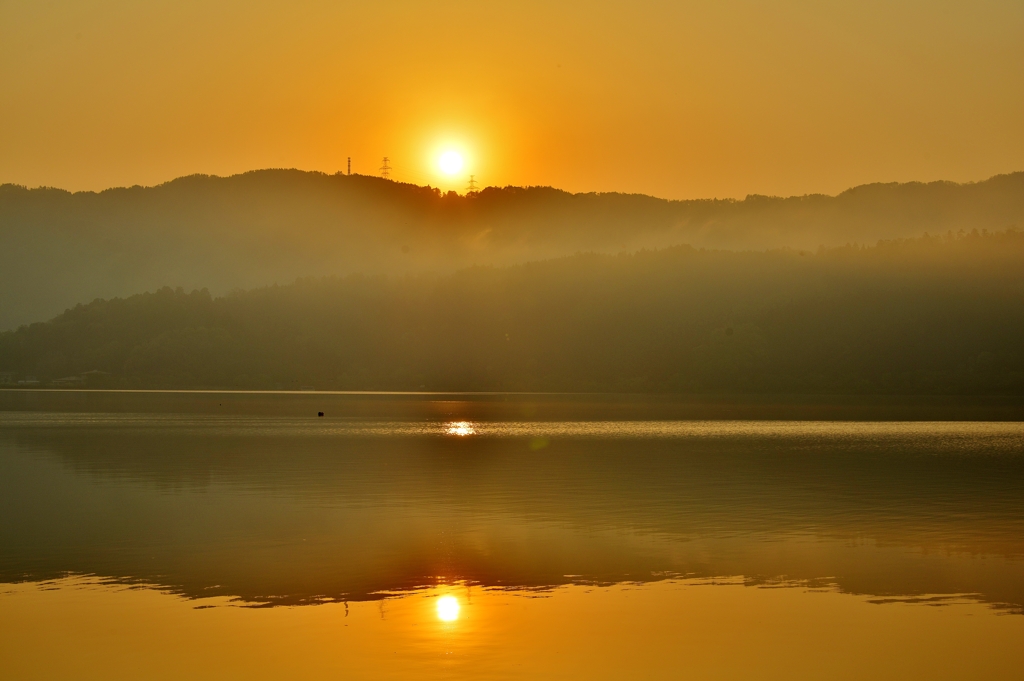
(59, 248)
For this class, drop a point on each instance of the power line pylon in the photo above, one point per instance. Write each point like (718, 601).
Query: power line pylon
(471, 189)
(385, 169)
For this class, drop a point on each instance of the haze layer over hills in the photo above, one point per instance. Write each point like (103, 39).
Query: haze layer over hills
(931, 315)
(58, 249)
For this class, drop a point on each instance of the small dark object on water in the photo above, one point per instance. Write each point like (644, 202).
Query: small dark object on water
(319, 413)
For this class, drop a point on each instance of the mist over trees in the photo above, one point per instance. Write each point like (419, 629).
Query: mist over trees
(58, 249)
(937, 314)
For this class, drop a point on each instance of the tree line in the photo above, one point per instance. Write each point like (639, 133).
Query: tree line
(937, 314)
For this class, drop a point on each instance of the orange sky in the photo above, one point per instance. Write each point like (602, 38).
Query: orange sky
(677, 99)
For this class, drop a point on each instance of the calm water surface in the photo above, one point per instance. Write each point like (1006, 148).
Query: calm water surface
(211, 545)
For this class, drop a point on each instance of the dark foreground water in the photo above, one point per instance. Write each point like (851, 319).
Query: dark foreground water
(256, 541)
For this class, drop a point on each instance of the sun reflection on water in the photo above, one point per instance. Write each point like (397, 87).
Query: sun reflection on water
(447, 608)
(460, 428)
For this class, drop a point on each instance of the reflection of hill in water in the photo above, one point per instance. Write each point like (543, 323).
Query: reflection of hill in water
(290, 511)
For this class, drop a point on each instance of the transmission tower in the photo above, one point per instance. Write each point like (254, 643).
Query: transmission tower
(385, 169)
(471, 189)
(349, 165)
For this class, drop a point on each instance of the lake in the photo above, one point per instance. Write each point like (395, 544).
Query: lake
(239, 535)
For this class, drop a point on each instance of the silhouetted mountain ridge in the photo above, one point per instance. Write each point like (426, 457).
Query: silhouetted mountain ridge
(59, 248)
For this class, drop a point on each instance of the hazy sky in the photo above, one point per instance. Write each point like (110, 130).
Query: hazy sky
(677, 99)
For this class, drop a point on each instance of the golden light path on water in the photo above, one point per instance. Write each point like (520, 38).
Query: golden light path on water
(460, 428)
(951, 435)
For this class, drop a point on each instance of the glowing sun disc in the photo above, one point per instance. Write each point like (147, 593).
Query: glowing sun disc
(450, 162)
(447, 608)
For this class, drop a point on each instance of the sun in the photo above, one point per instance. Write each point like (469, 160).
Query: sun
(450, 162)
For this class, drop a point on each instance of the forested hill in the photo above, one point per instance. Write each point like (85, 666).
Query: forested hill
(926, 315)
(58, 248)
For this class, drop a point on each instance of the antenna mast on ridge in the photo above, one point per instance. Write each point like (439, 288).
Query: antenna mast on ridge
(385, 170)
(471, 189)
(349, 165)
